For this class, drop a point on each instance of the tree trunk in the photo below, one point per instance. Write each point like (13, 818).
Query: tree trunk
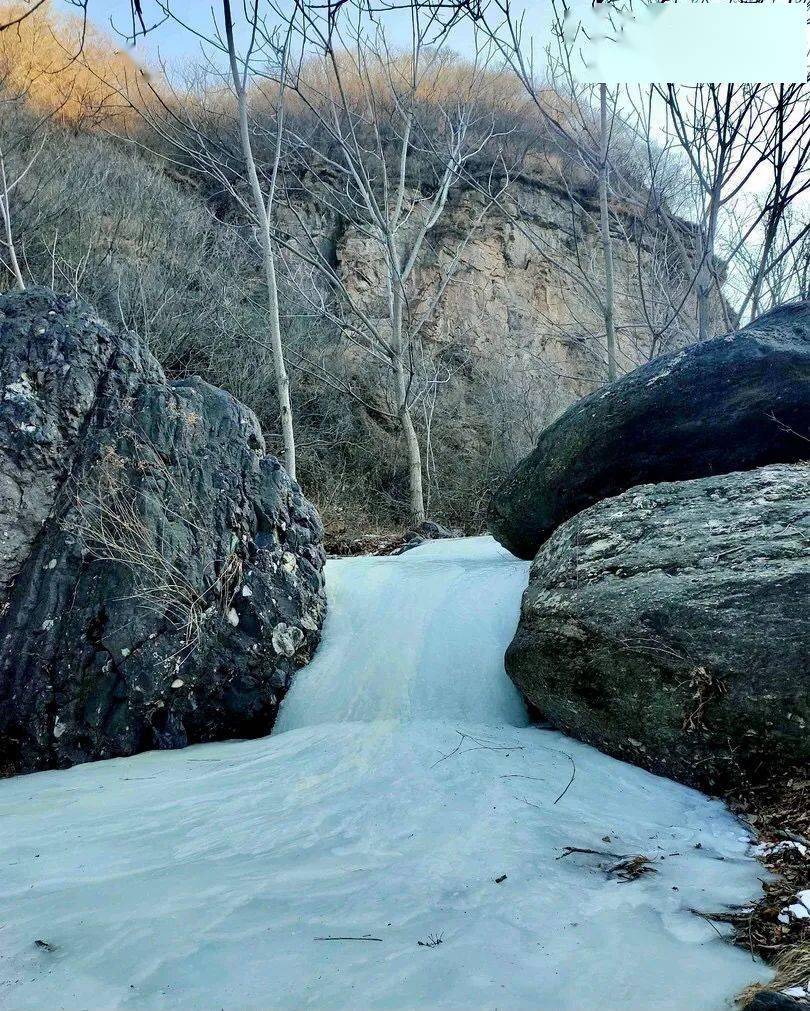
(704, 307)
(263, 221)
(417, 497)
(607, 246)
(705, 277)
(5, 208)
(277, 351)
(12, 253)
(702, 286)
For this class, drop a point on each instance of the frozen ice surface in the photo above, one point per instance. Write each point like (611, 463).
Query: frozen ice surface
(406, 784)
(417, 636)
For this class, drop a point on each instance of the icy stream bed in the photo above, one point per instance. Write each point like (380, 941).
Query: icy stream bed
(400, 787)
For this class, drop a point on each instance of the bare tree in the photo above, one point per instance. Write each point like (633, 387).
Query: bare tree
(773, 268)
(18, 13)
(732, 136)
(578, 122)
(787, 158)
(7, 186)
(607, 244)
(263, 201)
(189, 126)
(18, 153)
(372, 115)
(734, 140)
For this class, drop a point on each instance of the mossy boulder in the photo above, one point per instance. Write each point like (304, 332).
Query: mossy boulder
(667, 626)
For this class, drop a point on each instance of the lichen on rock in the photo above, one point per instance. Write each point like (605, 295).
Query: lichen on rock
(665, 627)
(135, 510)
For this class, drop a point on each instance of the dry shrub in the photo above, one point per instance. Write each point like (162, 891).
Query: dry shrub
(385, 76)
(792, 970)
(63, 66)
(112, 503)
(779, 813)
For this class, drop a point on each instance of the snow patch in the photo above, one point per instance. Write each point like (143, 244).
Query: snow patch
(798, 910)
(767, 849)
(667, 369)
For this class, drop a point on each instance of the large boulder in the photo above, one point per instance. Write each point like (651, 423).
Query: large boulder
(160, 574)
(668, 627)
(733, 403)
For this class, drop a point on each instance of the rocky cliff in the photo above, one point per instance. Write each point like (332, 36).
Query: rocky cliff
(518, 333)
(531, 280)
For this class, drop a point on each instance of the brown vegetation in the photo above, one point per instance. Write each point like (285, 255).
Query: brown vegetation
(779, 815)
(64, 66)
(152, 223)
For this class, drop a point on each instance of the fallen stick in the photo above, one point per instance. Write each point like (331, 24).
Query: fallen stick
(573, 774)
(366, 938)
(568, 850)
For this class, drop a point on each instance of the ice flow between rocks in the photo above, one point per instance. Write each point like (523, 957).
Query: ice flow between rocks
(399, 841)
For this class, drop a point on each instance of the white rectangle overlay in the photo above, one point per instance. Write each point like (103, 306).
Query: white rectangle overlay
(690, 42)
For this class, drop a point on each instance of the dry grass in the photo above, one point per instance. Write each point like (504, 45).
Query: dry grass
(792, 969)
(110, 522)
(60, 65)
(778, 813)
(348, 545)
(109, 516)
(440, 79)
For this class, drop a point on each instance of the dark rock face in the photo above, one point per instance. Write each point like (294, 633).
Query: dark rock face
(770, 1000)
(729, 404)
(160, 575)
(428, 530)
(667, 626)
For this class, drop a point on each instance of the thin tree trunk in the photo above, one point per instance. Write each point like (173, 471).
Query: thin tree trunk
(263, 220)
(607, 246)
(5, 207)
(417, 497)
(775, 216)
(760, 276)
(277, 352)
(705, 277)
(704, 304)
(12, 253)
(701, 287)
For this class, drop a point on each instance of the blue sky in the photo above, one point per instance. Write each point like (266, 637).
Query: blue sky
(681, 42)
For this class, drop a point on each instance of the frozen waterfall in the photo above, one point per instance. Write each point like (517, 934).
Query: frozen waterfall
(420, 636)
(403, 840)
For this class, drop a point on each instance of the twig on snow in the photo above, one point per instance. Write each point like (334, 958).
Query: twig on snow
(568, 850)
(573, 775)
(365, 937)
(481, 747)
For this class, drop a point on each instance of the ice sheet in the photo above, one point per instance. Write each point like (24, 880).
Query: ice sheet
(406, 783)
